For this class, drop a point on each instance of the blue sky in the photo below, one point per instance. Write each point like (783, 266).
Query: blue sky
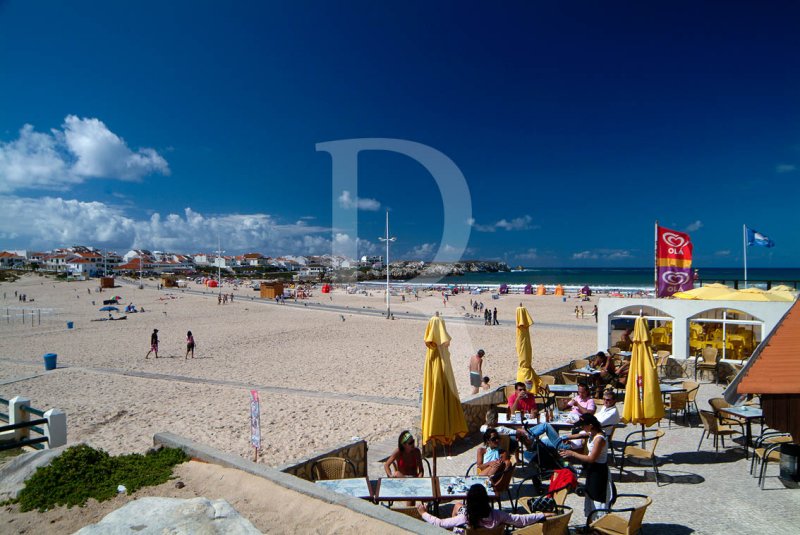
(575, 125)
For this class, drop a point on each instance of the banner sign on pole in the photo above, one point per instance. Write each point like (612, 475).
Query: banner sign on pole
(255, 420)
(673, 262)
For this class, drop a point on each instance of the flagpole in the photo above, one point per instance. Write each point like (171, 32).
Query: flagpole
(655, 260)
(744, 248)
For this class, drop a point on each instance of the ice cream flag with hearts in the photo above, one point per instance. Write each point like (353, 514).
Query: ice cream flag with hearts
(673, 262)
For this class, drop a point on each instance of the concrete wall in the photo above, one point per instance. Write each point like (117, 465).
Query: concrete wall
(681, 310)
(355, 451)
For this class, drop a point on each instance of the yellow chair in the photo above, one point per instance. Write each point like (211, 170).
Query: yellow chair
(332, 468)
(615, 524)
(629, 449)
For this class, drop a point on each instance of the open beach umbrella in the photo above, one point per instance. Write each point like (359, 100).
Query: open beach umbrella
(643, 403)
(525, 371)
(109, 309)
(442, 416)
(708, 291)
(754, 294)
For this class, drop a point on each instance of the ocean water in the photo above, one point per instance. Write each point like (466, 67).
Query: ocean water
(620, 278)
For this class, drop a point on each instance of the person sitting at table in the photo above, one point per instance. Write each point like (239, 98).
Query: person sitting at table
(608, 371)
(477, 512)
(521, 400)
(406, 460)
(622, 373)
(582, 402)
(491, 422)
(493, 461)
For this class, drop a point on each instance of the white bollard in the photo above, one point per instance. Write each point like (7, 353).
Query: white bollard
(56, 431)
(17, 416)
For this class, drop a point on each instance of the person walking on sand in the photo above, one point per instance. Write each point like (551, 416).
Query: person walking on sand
(153, 344)
(581, 311)
(476, 370)
(594, 313)
(494, 317)
(189, 345)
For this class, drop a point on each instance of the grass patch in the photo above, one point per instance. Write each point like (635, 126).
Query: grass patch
(82, 472)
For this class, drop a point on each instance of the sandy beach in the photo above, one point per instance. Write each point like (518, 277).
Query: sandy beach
(326, 369)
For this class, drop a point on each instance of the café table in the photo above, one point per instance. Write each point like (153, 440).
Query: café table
(503, 419)
(455, 488)
(358, 487)
(748, 414)
(405, 488)
(573, 389)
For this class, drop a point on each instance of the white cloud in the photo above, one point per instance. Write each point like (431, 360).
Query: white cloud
(82, 149)
(605, 254)
(347, 202)
(785, 168)
(47, 222)
(423, 251)
(693, 227)
(518, 223)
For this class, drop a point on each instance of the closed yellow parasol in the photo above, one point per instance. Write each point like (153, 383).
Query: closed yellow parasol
(525, 371)
(442, 416)
(643, 403)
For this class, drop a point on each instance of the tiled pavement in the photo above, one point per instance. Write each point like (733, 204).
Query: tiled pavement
(700, 492)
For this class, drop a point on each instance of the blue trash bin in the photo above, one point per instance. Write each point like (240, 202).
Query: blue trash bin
(69, 325)
(50, 361)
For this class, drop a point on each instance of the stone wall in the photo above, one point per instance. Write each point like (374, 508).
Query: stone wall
(355, 451)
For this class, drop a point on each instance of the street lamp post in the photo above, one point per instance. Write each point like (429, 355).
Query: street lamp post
(219, 265)
(388, 240)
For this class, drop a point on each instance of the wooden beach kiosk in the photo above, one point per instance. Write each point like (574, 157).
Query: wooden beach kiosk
(271, 290)
(169, 281)
(107, 282)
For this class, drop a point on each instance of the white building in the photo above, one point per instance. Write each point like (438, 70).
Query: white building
(682, 316)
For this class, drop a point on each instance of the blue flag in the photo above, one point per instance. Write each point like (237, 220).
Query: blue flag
(754, 237)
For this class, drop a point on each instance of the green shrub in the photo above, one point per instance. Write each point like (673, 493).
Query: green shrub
(82, 472)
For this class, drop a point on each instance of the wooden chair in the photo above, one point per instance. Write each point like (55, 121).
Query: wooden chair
(332, 468)
(612, 523)
(711, 426)
(554, 525)
(629, 449)
(708, 362)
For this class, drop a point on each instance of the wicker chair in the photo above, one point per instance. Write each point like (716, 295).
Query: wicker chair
(547, 380)
(763, 443)
(612, 523)
(497, 530)
(662, 362)
(579, 363)
(413, 512)
(508, 390)
(570, 378)
(711, 426)
(332, 468)
(553, 525)
(629, 449)
(708, 362)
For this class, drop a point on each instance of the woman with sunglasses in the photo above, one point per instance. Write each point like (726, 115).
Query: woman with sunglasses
(477, 512)
(406, 460)
(492, 459)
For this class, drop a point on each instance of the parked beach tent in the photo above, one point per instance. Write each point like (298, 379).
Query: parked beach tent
(528, 289)
(326, 288)
(586, 291)
(212, 284)
(504, 288)
(540, 290)
(559, 290)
